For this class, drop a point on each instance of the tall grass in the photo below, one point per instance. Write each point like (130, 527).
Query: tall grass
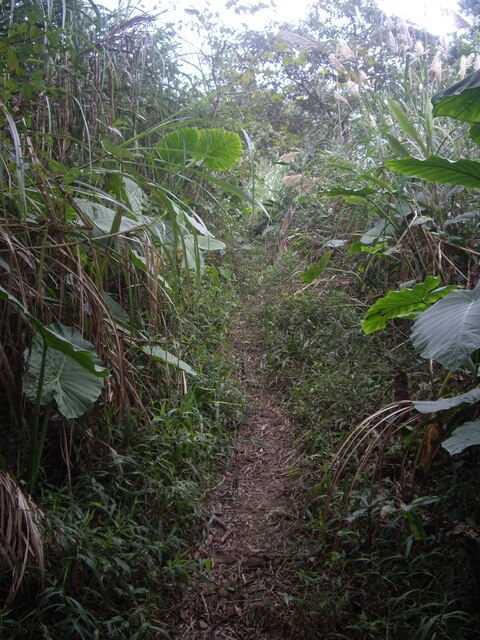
(104, 174)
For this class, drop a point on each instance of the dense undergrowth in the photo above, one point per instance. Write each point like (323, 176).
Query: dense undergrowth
(368, 331)
(119, 529)
(389, 547)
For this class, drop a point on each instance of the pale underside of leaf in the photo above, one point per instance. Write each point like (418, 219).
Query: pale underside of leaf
(103, 217)
(468, 435)
(449, 331)
(444, 404)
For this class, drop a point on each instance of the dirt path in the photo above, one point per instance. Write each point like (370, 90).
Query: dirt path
(247, 593)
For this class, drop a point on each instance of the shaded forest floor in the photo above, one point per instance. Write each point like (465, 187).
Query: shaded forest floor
(245, 591)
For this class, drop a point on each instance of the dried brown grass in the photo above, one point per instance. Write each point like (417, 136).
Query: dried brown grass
(21, 539)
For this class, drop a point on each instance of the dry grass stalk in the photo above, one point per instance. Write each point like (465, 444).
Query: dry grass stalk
(289, 157)
(435, 69)
(405, 33)
(21, 542)
(303, 184)
(393, 43)
(344, 52)
(370, 436)
(465, 63)
(339, 98)
(337, 65)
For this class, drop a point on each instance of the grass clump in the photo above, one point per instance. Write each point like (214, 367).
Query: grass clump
(317, 354)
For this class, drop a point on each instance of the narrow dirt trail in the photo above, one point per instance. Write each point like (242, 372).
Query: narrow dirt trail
(246, 595)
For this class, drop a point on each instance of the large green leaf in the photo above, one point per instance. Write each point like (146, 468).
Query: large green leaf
(193, 220)
(407, 303)
(162, 355)
(135, 195)
(116, 310)
(178, 146)
(381, 230)
(444, 404)
(218, 149)
(463, 437)
(475, 133)
(449, 331)
(117, 152)
(399, 148)
(461, 100)
(436, 169)
(190, 252)
(64, 380)
(213, 148)
(57, 340)
(464, 217)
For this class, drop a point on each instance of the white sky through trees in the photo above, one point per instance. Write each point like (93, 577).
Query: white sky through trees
(430, 14)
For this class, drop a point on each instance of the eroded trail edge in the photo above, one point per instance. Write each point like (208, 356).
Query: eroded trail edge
(247, 592)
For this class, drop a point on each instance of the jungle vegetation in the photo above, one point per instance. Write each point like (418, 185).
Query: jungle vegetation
(135, 189)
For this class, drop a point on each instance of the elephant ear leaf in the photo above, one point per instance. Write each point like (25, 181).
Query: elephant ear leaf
(449, 331)
(73, 387)
(54, 337)
(468, 435)
(460, 101)
(445, 404)
(218, 149)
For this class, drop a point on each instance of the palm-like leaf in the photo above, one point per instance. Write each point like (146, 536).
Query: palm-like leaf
(178, 146)
(218, 149)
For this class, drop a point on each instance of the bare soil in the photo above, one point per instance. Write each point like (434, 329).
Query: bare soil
(246, 591)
